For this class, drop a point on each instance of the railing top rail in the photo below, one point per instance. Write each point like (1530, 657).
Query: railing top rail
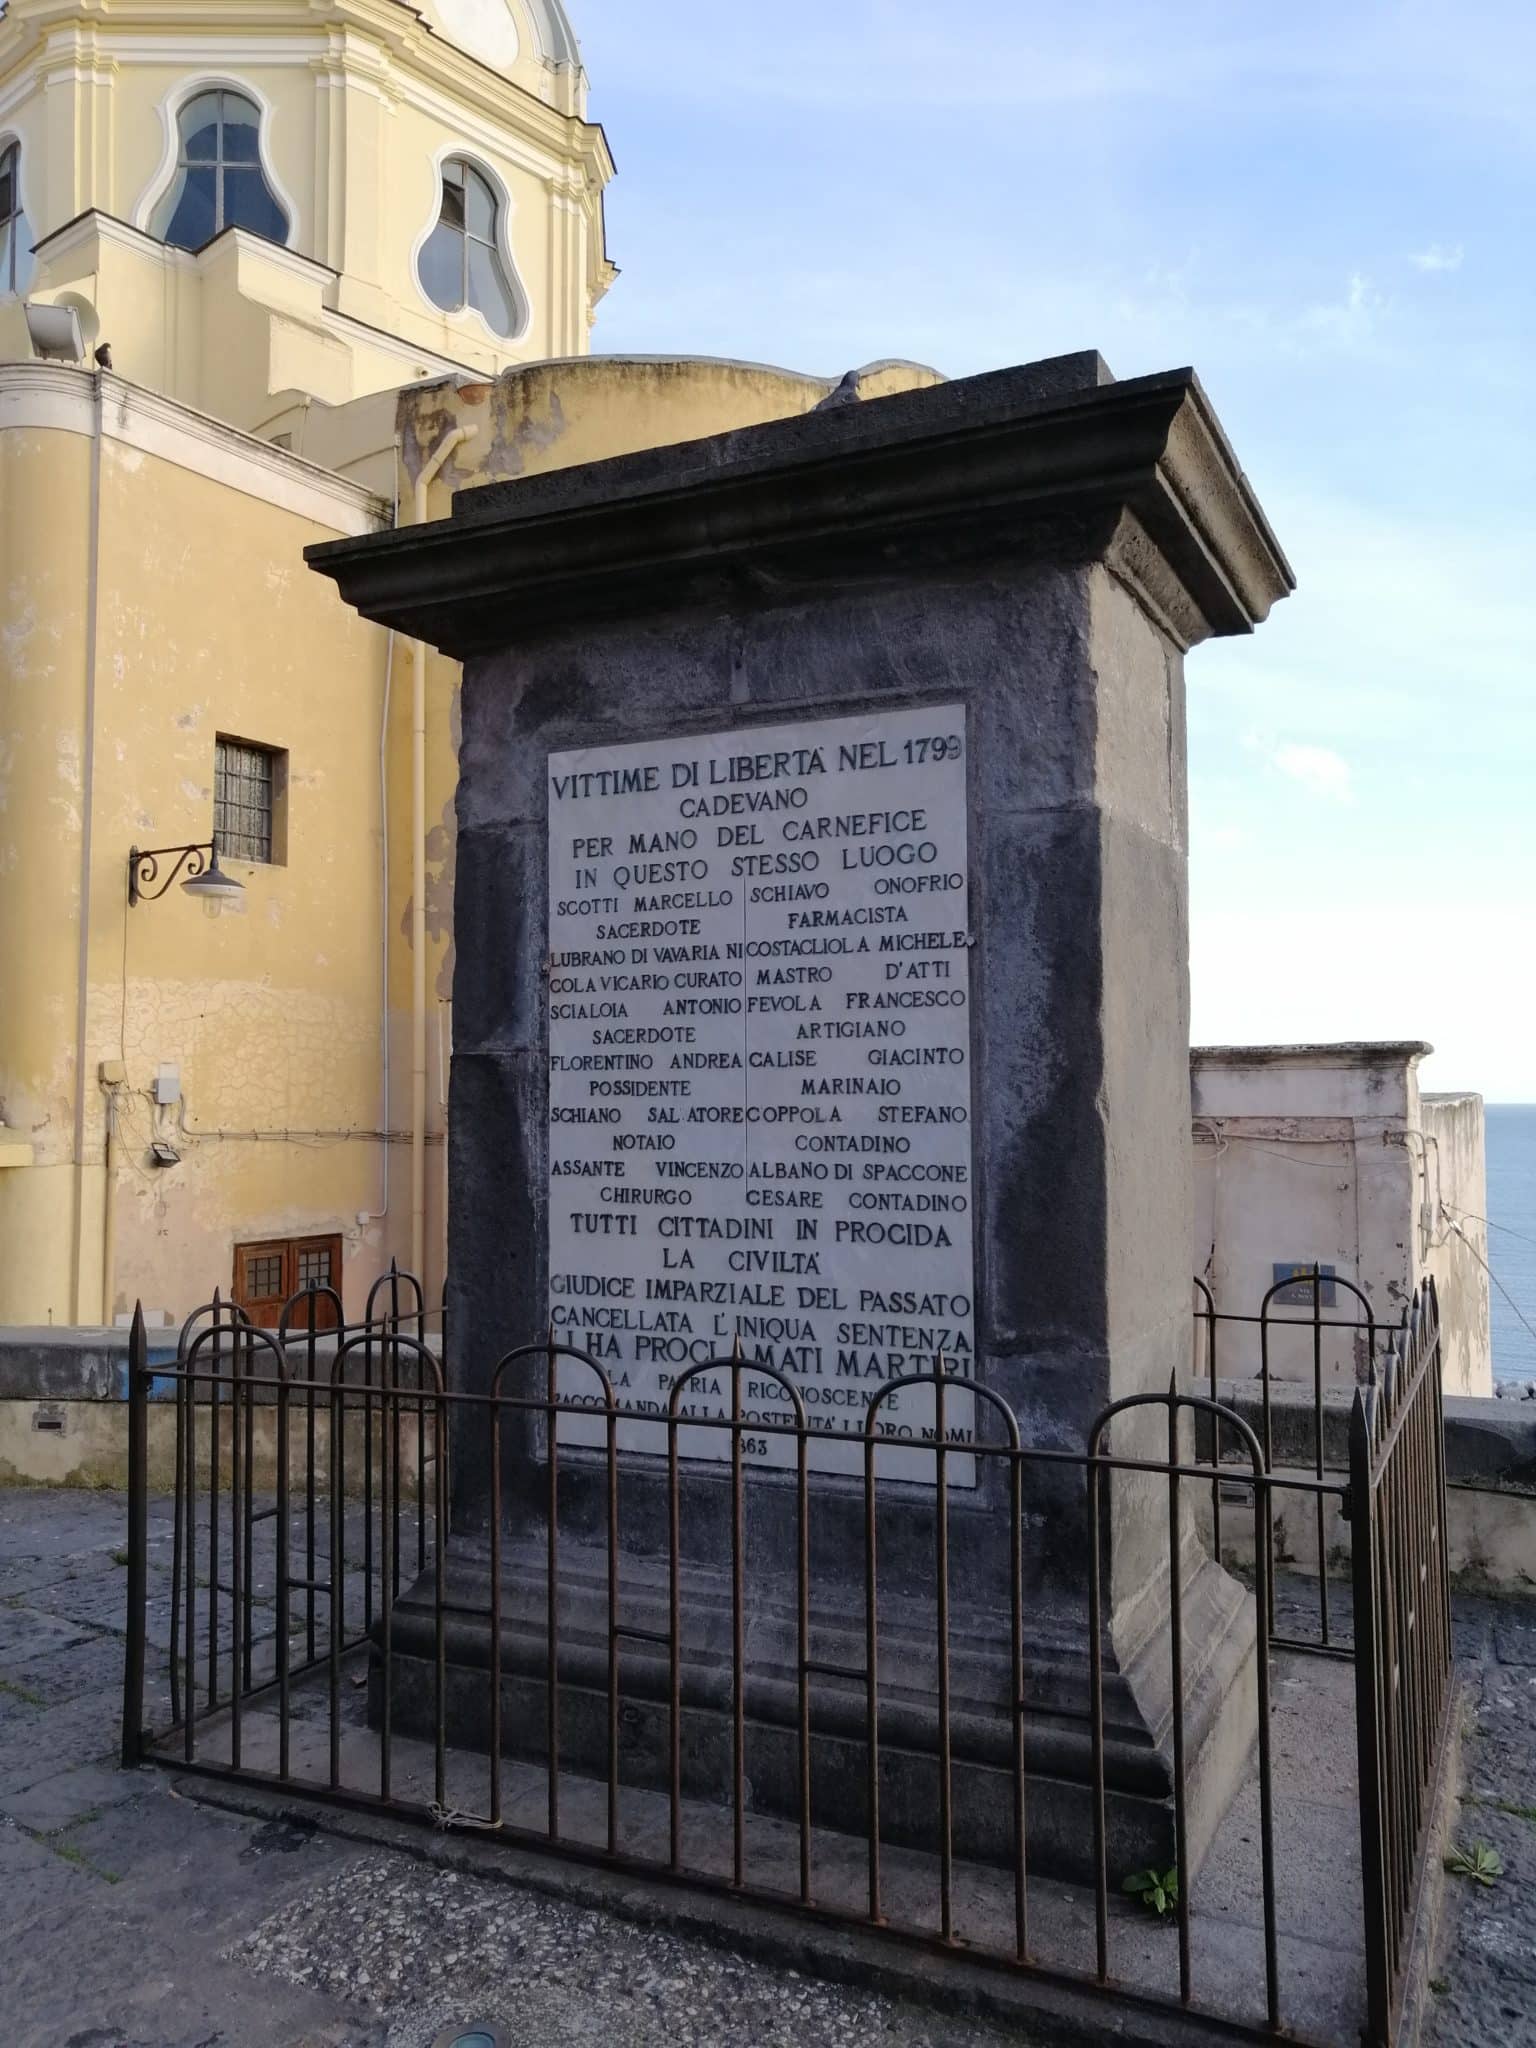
(549, 1351)
(311, 1294)
(226, 1314)
(392, 1344)
(1317, 1279)
(247, 1337)
(394, 1279)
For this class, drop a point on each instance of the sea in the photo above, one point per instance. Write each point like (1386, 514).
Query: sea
(1512, 1237)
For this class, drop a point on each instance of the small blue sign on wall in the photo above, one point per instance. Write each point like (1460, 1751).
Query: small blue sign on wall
(1299, 1293)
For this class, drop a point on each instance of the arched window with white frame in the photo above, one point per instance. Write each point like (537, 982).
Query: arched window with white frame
(220, 180)
(461, 264)
(15, 235)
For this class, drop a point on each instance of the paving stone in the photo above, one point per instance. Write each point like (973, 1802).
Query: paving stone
(1485, 1977)
(1514, 1639)
(28, 1575)
(55, 1803)
(19, 1707)
(1472, 1628)
(83, 1666)
(27, 1632)
(34, 1879)
(84, 1730)
(96, 1601)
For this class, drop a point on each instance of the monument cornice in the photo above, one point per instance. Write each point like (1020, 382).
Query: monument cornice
(1046, 460)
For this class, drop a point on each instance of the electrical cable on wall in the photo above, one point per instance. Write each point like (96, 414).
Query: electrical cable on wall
(1471, 1216)
(294, 1135)
(1514, 1306)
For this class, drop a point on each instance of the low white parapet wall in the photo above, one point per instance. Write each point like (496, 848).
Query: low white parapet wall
(1490, 1461)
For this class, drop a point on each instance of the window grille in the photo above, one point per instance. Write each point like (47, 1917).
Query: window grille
(243, 794)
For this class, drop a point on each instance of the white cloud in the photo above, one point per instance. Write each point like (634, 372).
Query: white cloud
(1437, 257)
(1347, 322)
(1318, 769)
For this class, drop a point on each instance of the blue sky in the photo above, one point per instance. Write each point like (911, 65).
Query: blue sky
(1328, 210)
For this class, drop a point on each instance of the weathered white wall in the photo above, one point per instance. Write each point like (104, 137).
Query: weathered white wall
(1329, 1154)
(1458, 1252)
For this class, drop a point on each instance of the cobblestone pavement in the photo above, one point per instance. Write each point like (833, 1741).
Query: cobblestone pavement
(1484, 1978)
(134, 1916)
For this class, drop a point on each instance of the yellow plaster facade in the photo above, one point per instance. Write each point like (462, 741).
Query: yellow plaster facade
(153, 597)
(359, 103)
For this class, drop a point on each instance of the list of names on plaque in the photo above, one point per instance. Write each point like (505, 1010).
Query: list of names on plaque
(760, 1085)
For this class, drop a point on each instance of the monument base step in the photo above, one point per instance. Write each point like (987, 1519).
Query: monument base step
(1220, 1712)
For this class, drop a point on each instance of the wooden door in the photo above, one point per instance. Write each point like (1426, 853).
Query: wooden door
(269, 1272)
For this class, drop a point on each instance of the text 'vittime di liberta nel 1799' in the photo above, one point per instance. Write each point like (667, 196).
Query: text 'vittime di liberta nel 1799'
(759, 1080)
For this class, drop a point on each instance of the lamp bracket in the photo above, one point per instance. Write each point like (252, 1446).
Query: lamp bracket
(144, 868)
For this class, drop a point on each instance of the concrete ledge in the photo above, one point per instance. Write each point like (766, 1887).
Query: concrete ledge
(85, 1444)
(91, 1363)
(65, 1365)
(1490, 1458)
(1489, 1444)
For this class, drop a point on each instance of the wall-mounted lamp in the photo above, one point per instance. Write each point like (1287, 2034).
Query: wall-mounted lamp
(206, 881)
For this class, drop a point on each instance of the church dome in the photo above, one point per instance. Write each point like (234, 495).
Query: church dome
(552, 25)
(489, 30)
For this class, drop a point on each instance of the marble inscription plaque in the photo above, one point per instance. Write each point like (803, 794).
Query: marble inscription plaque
(760, 1086)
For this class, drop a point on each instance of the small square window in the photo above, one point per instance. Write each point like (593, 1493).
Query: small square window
(250, 789)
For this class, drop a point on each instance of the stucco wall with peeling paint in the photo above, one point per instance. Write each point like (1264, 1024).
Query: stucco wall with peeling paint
(1329, 1154)
(205, 623)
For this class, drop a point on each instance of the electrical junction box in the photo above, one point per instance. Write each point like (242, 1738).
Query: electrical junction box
(112, 1073)
(168, 1083)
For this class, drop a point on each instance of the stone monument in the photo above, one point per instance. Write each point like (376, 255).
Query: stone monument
(821, 981)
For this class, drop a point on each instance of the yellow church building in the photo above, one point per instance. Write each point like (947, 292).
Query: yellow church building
(270, 274)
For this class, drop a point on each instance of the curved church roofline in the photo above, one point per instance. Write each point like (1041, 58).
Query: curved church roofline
(552, 26)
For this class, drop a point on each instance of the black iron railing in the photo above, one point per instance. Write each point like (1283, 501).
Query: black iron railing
(1302, 1341)
(1403, 1640)
(551, 1692)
